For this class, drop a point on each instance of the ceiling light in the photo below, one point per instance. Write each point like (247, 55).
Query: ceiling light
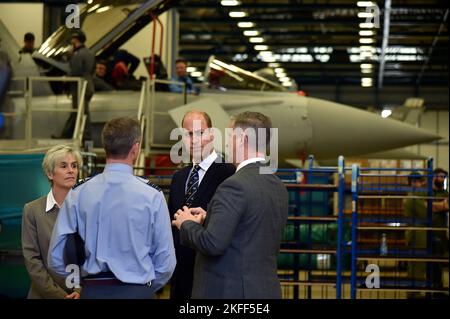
(366, 71)
(287, 83)
(274, 65)
(279, 70)
(386, 113)
(190, 69)
(365, 32)
(246, 24)
(365, 4)
(366, 25)
(237, 14)
(366, 66)
(230, 3)
(284, 79)
(100, 10)
(89, 1)
(251, 33)
(196, 74)
(367, 48)
(365, 40)
(281, 75)
(261, 47)
(256, 40)
(365, 15)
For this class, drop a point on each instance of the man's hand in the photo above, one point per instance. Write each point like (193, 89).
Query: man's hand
(73, 295)
(198, 211)
(183, 215)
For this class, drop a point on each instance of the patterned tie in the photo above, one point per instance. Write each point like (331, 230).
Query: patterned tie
(192, 186)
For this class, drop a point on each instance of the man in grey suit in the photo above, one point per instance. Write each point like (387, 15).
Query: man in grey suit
(238, 244)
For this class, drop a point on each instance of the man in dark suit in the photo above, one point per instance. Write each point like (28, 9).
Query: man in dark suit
(194, 186)
(238, 244)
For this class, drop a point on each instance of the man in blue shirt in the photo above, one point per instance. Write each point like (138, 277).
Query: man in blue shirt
(123, 222)
(182, 76)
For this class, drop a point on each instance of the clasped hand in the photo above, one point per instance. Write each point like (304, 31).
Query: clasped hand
(196, 214)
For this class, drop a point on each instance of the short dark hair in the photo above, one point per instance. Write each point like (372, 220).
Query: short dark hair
(181, 60)
(78, 34)
(28, 36)
(256, 121)
(103, 62)
(414, 176)
(204, 114)
(439, 170)
(119, 135)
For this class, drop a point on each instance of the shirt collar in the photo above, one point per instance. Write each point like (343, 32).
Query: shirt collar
(207, 162)
(118, 167)
(51, 202)
(250, 161)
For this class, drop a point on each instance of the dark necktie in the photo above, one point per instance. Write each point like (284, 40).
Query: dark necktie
(192, 186)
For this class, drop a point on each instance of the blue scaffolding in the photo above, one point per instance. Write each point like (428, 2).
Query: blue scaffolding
(391, 251)
(315, 231)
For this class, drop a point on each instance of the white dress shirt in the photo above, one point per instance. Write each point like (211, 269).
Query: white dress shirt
(51, 202)
(249, 161)
(204, 166)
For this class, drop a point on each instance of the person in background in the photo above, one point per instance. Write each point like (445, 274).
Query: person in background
(440, 220)
(82, 64)
(182, 76)
(28, 44)
(61, 165)
(122, 221)
(100, 77)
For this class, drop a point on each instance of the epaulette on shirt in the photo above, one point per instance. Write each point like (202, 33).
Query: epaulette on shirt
(80, 182)
(154, 186)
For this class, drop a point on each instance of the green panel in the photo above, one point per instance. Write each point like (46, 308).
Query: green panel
(21, 180)
(14, 279)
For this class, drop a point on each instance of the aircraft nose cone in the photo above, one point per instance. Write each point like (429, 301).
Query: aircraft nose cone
(340, 129)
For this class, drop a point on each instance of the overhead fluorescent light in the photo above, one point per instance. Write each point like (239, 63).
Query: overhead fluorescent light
(103, 9)
(367, 48)
(365, 14)
(365, 4)
(274, 65)
(237, 14)
(256, 40)
(365, 33)
(366, 82)
(284, 79)
(266, 53)
(246, 24)
(365, 71)
(281, 74)
(196, 74)
(366, 66)
(365, 40)
(386, 113)
(366, 25)
(190, 69)
(261, 47)
(279, 70)
(95, 7)
(230, 3)
(287, 84)
(251, 33)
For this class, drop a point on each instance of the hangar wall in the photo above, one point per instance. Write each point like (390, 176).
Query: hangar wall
(13, 15)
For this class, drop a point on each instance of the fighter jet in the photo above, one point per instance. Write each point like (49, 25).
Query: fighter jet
(306, 125)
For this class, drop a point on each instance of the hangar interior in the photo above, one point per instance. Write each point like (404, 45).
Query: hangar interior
(357, 89)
